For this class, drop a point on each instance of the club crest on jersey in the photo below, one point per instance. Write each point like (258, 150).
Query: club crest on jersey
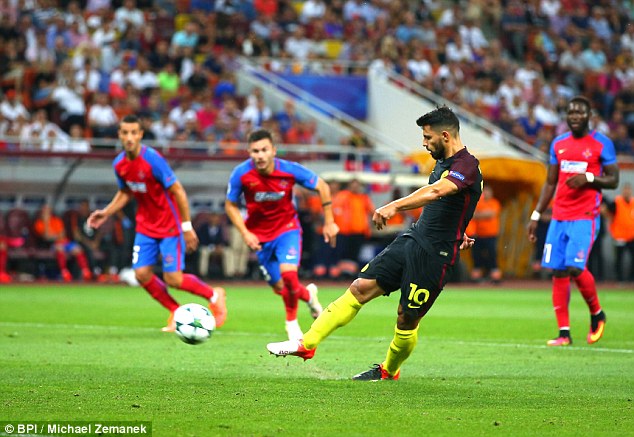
(137, 187)
(141, 175)
(283, 183)
(587, 153)
(269, 196)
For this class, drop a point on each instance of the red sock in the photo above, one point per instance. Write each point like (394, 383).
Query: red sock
(290, 303)
(82, 261)
(3, 260)
(194, 285)
(158, 290)
(61, 259)
(588, 288)
(291, 281)
(561, 298)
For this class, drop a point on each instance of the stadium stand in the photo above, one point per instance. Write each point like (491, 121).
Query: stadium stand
(495, 59)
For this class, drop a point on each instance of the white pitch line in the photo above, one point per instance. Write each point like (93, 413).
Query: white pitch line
(273, 335)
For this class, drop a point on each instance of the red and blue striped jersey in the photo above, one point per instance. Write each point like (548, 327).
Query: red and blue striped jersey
(149, 177)
(269, 198)
(578, 156)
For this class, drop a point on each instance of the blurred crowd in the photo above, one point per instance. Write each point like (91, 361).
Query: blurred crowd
(87, 63)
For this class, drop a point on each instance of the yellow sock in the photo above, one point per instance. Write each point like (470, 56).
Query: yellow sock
(401, 347)
(335, 315)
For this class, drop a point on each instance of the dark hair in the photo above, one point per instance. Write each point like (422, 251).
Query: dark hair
(441, 118)
(131, 118)
(259, 134)
(583, 100)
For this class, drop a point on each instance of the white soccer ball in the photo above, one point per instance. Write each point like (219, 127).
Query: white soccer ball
(194, 323)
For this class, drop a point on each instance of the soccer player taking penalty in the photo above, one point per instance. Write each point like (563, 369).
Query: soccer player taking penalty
(417, 262)
(163, 224)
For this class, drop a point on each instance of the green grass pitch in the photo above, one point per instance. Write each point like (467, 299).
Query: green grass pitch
(481, 367)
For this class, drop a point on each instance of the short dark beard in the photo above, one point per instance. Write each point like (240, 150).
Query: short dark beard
(438, 152)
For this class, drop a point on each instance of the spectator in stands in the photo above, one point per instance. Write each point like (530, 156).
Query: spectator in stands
(207, 115)
(159, 57)
(77, 142)
(265, 32)
(181, 113)
(457, 51)
(128, 16)
(256, 111)
(312, 9)
(622, 230)
(164, 130)
(49, 229)
(88, 77)
(102, 119)
(408, 29)
(13, 66)
(142, 78)
(451, 17)
(514, 25)
(420, 68)
(599, 24)
(486, 232)
(213, 238)
(168, 82)
(35, 135)
(11, 106)
(69, 97)
(229, 117)
(149, 38)
(105, 33)
(530, 125)
(622, 142)
(187, 37)
(198, 81)
(594, 58)
(472, 35)
(297, 45)
(286, 117)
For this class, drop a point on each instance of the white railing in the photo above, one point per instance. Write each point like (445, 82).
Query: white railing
(304, 98)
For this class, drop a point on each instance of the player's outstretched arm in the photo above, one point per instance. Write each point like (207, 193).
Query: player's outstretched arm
(99, 217)
(180, 197)
(421, 197)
